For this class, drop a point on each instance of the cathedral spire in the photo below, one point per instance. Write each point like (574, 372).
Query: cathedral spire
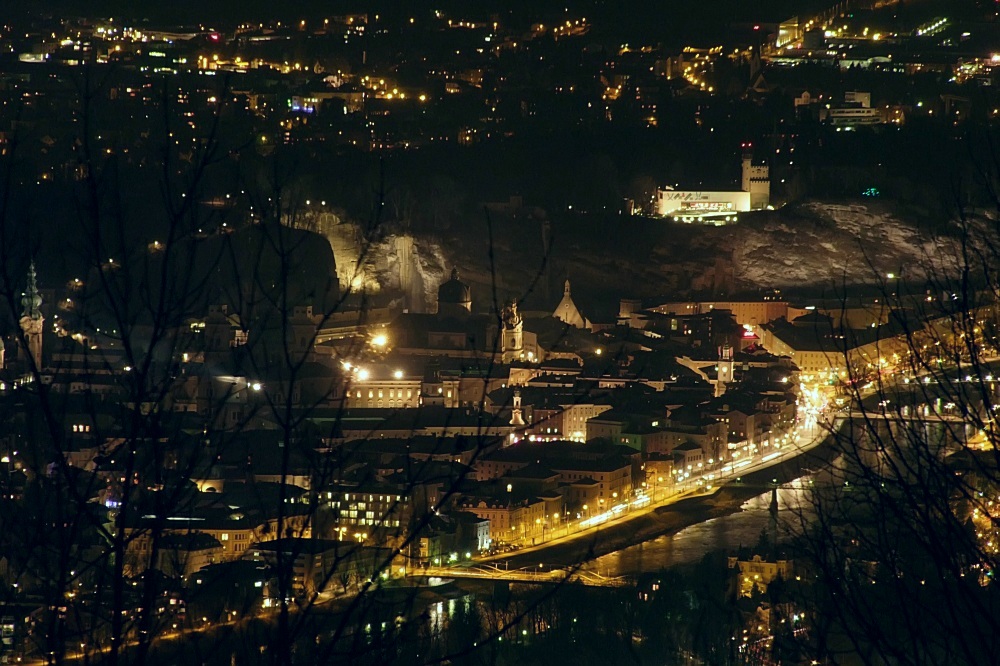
(568, 312)
(32, 320)
(31, 301)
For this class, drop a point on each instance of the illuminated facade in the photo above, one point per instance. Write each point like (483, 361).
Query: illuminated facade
(719, 207)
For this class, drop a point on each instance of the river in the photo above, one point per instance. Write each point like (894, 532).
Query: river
(729, 532)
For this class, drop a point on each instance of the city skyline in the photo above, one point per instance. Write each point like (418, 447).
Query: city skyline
(499, 333)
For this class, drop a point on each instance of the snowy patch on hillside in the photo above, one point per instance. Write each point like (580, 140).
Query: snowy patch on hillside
(816, 244)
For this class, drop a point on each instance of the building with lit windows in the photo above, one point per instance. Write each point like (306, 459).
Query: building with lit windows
(364, 509)
(826, 354)
(510, 519)
(719, 207)
(760, 572)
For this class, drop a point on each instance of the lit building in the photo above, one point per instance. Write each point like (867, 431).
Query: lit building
(718, 208)
(856, 111)
(758, 572)
(750, 313)
(568, 313)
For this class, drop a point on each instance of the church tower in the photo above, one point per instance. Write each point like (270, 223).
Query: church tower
(756, 180)
(432, 388)
(512, 340)
(516, 417)
(567, 311)
(724, 374)
(32, 319)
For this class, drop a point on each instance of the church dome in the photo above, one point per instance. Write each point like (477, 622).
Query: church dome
(454, 292)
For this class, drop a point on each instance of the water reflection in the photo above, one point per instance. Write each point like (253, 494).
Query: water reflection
(440, 614)
(729, 532)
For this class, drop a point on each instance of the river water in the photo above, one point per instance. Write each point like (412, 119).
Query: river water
(690, 544)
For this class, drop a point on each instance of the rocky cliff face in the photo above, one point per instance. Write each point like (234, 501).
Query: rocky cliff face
(815, 244)
(402, 265)
(410, 266)
(820, 244)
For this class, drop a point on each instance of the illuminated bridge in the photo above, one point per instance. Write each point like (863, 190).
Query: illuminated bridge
(540, 575)
(929, 417)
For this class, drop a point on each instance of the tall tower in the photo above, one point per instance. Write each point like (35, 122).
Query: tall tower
(724, 375)
(512, 333)
(756, 180)
(516, 417)
(32, 319)
(567, 311)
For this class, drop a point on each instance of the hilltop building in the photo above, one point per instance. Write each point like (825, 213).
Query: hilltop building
(719, 208)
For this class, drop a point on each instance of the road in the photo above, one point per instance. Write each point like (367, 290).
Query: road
(806, 437)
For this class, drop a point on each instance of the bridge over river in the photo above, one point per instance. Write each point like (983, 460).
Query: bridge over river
(539, 574)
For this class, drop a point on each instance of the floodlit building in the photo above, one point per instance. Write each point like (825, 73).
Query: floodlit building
(759, 572)
(568, 313)
(719, 208)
